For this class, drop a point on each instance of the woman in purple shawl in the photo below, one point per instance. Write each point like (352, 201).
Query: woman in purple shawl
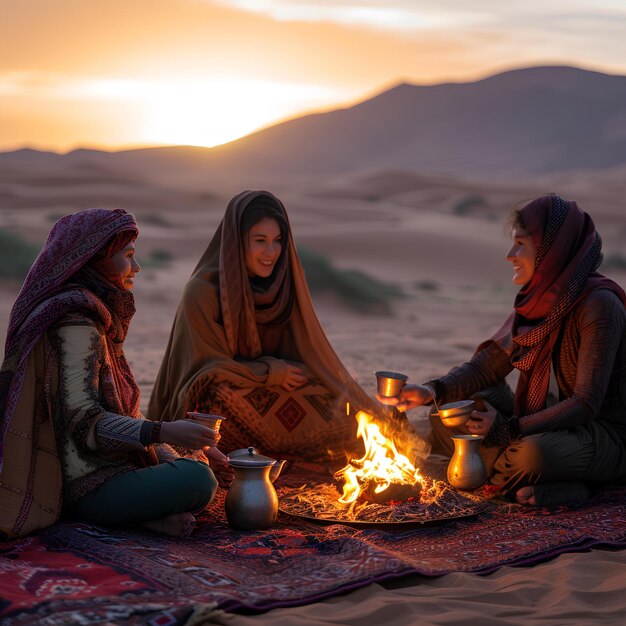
(72, 439)
(564, 430)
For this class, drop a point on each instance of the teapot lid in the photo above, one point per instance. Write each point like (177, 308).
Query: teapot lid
(249, 458)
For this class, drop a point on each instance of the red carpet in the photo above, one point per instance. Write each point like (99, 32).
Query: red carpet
(140, 578)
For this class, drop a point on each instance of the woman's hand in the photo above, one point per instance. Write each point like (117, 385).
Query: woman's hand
(410, 397)
(290, 377)
(188, 434)
(480, 422)
(218, 462)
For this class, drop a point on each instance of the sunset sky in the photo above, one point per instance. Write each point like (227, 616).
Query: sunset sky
(125, 73)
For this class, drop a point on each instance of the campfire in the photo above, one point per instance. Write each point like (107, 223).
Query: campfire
(381, 487)
(382, 474)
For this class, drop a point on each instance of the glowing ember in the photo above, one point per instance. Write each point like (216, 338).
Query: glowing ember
(382, 465)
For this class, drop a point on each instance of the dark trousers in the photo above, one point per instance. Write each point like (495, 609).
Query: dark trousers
(591, 453)
(149, 493)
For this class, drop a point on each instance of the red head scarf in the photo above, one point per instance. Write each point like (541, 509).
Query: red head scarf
(568, 253)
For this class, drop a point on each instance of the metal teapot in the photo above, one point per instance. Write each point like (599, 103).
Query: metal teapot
(252, 503)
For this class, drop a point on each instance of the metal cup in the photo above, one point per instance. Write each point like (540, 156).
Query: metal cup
(456, 413)
(390, 384)
(206, 419)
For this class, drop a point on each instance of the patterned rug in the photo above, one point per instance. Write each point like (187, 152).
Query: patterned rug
(79, 574)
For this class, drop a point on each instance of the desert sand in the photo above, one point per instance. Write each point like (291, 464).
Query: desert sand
(573, 589)
(444, 250)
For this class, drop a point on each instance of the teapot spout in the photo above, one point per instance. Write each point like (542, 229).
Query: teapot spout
(277, 468)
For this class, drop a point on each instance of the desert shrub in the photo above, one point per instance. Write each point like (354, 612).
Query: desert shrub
(426, 285)
(16, 255)
(614, 261)
(157, 258)
(154, 219)
(355, 288)
(467, 204)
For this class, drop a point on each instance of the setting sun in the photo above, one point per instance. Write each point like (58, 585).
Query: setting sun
(215, 112)
(205, 72)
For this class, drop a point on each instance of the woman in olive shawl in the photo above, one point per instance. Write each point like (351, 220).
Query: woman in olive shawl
(246, 344)
(565, 428)
(72, 439)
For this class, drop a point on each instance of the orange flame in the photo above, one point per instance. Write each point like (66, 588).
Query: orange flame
(382, 463)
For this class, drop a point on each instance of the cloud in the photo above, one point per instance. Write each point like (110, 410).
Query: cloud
(401, 15)
(415, 16)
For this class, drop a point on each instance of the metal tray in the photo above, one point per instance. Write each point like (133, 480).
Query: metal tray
(431, 519)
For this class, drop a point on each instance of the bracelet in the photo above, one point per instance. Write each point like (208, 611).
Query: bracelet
(155, 435)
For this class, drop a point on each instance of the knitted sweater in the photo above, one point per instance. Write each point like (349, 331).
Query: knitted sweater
(94, 442)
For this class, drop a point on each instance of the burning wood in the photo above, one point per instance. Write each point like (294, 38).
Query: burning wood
(437, 502)
(383, 473)
(382, 487)
(396, 492)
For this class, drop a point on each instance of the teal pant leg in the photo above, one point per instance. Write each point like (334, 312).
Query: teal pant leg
(148, 493)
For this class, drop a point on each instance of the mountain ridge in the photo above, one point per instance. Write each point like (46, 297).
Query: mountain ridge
(525, 121)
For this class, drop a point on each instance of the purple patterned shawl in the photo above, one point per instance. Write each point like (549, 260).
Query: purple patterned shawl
(50, 292)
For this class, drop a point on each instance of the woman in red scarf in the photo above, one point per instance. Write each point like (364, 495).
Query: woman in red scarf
(565, 428)
(72, 439)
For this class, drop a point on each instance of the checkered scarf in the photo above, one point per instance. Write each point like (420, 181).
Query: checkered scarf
(568, 253)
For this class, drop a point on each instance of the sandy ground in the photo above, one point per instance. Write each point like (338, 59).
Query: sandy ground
(442, 242)
(574, 589)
